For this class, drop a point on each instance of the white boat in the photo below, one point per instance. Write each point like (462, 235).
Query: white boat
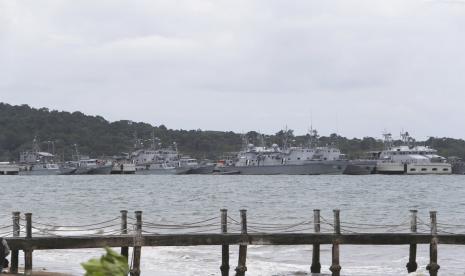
(410, 159)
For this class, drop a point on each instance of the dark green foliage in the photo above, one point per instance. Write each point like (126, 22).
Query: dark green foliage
(97, 137)
(110, 264)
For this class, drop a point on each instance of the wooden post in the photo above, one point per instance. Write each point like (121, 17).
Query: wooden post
(241, 263)
(316, 266)
(28, 252)
(124, 230)
(15, 253)
(225, 247)
(433, 266)
(137, 246)
(412, 263)
(335, 266)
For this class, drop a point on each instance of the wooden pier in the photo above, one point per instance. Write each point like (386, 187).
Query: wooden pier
(8, 169)
(134, 233)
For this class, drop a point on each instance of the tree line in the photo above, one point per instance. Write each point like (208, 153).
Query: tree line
(59, 131)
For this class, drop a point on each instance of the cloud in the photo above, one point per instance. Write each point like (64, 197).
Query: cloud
(357, 66)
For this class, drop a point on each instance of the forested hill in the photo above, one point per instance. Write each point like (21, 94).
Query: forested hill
(97, 137)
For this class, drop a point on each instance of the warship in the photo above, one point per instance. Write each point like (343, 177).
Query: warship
(85, 165)
(37, 162)
(309, 160)
(159, 160)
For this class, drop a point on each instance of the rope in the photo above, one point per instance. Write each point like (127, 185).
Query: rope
(8, 226)
(175, 225)
(76, 226)
(4, 234)
(235, 221)
(279, 226)
(179, 226)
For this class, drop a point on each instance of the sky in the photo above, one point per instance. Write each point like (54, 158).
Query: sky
(357, 68)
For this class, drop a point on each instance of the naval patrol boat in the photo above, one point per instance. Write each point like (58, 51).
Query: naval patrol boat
(159, 160)
(308, 160)
(37, 162)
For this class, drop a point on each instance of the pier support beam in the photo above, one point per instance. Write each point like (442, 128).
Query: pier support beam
(316, 266)
(28, 252)
(335, 266)
(137, 246)
(15, 253)
(224, 248)
(433, 266)
(412, 263)
(241, 263)
(124, 231)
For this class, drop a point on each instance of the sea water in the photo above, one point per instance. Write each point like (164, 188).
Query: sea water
(372, 199)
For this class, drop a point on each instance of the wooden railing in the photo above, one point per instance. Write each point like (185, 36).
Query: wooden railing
(137, 238)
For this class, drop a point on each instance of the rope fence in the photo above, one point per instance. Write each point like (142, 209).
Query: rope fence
(213, 225)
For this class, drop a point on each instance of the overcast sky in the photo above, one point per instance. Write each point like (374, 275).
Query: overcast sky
(356, 67)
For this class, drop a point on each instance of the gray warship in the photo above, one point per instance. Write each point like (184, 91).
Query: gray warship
(308, 160)
(84, 165)
(37, 162)
(156, 159)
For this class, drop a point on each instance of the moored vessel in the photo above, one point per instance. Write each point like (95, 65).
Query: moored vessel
(309, 160)
(410, 159)
(37, 162)
(360, 167)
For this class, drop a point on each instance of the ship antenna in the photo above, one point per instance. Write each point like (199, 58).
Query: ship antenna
(153, 138)
(387, 140)
(35, 145)
(285, 138)
(78, 157)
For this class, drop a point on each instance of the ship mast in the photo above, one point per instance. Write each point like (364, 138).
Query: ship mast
(387, 140)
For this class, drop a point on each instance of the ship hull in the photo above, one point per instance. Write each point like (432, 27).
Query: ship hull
(414, 169)
(156, 171)
(458, 168)
(360, 167)
(310, 168)
(126, 168)
(163, 171)
(208, 169)
(101, 170)
(40, 171)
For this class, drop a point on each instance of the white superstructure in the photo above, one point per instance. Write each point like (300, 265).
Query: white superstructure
(410, 159)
